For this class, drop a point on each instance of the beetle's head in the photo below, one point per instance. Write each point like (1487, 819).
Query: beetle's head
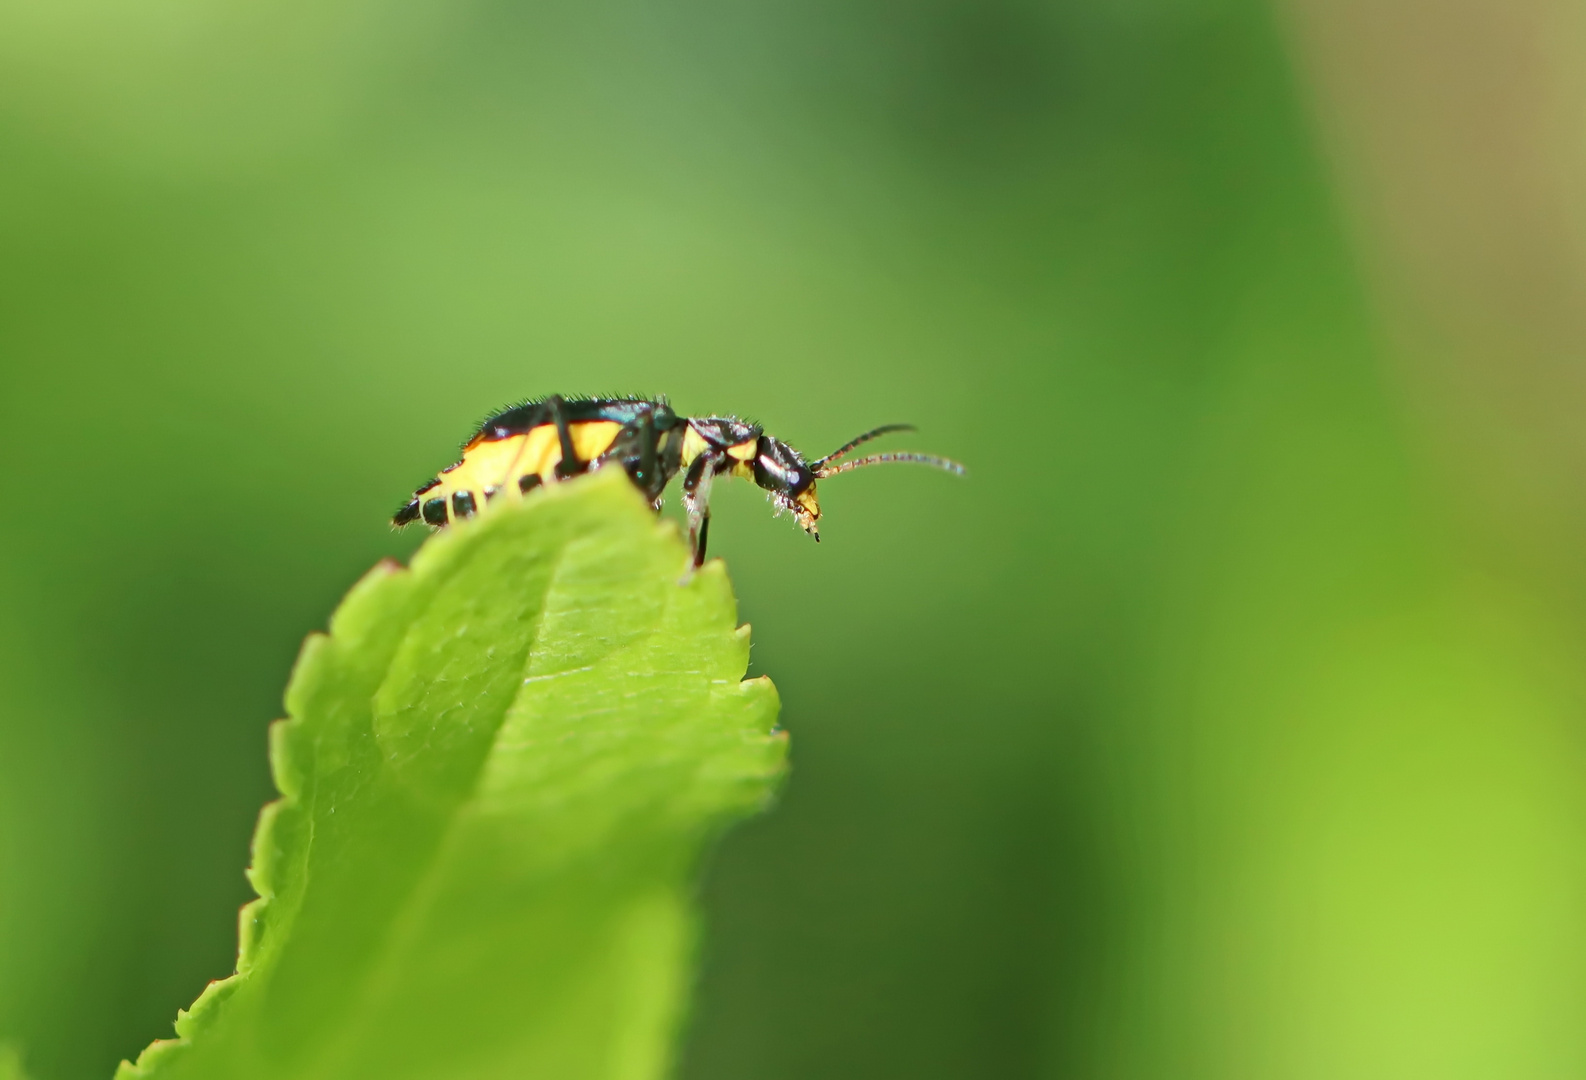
(782, 471)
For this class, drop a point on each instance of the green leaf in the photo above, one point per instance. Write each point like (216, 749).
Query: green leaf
(499, 771)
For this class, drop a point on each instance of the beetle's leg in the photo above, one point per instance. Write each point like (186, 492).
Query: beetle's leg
(644, 473)
(569, 465)
(696, 502)
(704, 533)
(636, 449)
(668, 460)
(669, 449)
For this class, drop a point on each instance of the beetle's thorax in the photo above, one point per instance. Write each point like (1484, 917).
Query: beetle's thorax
(725, 436)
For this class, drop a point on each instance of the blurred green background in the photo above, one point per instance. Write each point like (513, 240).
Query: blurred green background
(1226, 722)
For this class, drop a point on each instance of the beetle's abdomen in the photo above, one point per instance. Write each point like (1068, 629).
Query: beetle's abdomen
(507, 467)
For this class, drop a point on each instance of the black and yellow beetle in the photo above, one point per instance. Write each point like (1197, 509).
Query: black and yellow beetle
(540, 442)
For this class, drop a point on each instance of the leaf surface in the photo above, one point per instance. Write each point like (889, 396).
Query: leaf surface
(498, 772)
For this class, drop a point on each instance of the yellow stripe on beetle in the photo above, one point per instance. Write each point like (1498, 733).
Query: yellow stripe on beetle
(694, 444)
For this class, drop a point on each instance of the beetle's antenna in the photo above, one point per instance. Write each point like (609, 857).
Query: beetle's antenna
(884, 429)
(945, 464)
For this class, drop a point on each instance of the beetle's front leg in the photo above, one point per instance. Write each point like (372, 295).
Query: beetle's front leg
(696, 502)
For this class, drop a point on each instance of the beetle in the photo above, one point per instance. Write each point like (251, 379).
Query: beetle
(545, 440)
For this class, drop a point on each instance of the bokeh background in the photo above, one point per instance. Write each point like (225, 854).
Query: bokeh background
(1228, 720)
